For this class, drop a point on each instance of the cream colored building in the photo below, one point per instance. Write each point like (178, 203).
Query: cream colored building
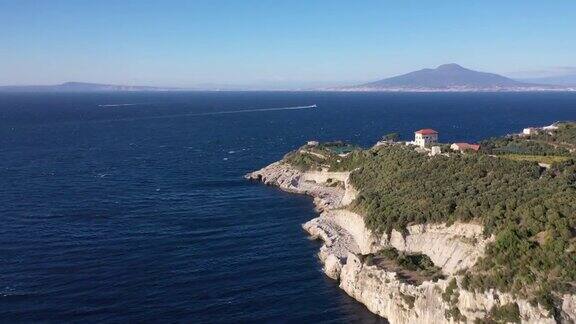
(464, 147)
(530, 131)
(425, 137)
(435, 150)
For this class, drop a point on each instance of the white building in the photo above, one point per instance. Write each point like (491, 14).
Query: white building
(550, 127)
(425, 137)
(435, 150)
(462, 147)
(530, 131)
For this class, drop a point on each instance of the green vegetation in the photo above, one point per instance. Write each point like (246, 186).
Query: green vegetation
(530, 211)
(515, 200)
(450, 295)
(368, 260)
(400, 186)
(548, 159)
(521, 145)
(413, 268)
(409, 300)
(455, 314)
(508, 313)
(334, 183)
(417, 262)
(389, 253)
(338, 147)
(544, 298)
(466, 281)
(305, 161)
(556, 143)
(413, 262)
(564, 136)
(324, 156)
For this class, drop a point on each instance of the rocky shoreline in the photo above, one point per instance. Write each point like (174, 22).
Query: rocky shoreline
(452, 248)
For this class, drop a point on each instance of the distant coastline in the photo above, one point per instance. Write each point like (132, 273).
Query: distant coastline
(51, 89)
(428, 90)
(445, 78)
(453, 78)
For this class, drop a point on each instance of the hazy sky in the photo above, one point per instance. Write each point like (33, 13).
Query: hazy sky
(186, 43)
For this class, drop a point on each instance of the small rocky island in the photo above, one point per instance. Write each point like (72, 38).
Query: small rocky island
(422, 232)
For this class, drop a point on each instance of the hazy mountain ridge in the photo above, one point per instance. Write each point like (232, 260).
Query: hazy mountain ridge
(452, 77)
(81, 87)
(565, 80)
(446, 77)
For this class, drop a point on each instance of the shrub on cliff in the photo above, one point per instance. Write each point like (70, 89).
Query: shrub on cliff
(508, 313)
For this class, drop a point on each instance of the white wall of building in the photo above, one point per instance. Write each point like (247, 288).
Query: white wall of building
(423, 140)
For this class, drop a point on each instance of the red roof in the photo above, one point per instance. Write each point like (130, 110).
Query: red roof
(467, 146)
(426, 131)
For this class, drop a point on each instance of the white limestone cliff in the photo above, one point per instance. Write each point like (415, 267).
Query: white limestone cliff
(384, 294)
(452, 247)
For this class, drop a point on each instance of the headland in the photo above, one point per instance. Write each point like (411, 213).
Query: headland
(424, 232)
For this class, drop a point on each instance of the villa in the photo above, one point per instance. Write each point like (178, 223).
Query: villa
(425, 137)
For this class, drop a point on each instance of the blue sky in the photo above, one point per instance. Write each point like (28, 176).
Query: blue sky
(248, 42)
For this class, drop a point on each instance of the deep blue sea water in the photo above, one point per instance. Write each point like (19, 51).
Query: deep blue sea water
(140, 213)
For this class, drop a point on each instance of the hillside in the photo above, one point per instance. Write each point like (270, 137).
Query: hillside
(450, 77)
(530, 210)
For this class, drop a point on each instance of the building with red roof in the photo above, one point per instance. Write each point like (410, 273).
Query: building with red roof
(464, 147)
(425, 137)
(426, 131)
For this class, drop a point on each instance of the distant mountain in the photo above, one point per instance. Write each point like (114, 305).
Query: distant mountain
(80, 87)
(565, 80)
(451, 77)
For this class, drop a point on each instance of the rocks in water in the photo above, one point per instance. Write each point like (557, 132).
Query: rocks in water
(332, 267)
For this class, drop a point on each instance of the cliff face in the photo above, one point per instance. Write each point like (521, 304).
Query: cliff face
(452, 248)
(385, 295)
(310, 183)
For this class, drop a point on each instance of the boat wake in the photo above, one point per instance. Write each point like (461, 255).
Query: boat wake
(225, 112)
(118, 105)
(251, 110)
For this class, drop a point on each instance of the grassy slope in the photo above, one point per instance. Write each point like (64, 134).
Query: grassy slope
(548, 159)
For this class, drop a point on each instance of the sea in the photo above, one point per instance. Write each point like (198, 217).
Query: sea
(132, 207)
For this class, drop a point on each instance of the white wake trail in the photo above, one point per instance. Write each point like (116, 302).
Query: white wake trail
(225, 112)
(251, 110)
(119, 105)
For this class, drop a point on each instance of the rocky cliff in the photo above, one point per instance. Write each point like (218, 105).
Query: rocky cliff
(452, 248)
